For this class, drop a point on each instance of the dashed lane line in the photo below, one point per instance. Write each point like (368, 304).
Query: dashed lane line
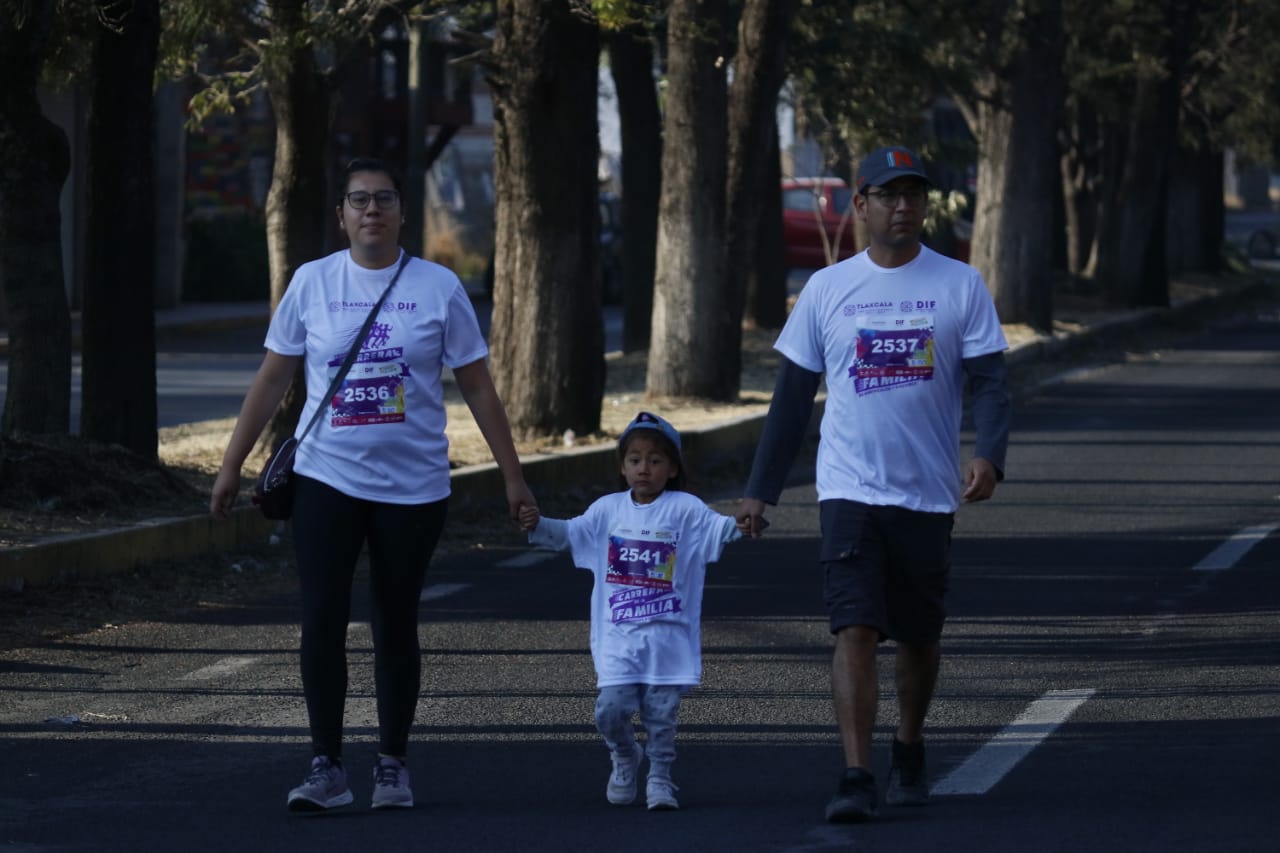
(998, 756)
(221, 668)
(442, 590)
(1233, 550)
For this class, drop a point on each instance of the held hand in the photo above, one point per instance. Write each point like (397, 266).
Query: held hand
(518, 497)
(979, 480)
(225, 489)
(750, 517)
(529, 517)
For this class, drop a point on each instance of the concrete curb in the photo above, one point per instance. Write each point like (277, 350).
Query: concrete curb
(124, 548)
(711, 449)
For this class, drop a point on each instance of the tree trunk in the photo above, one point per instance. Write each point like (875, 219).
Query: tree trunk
(34, 162)
(631, 60)
(119, 316)
(547, 332)
(759, 70)
(687, 356)
(1195, 211)
(1213, 216)
(1132, 214)
(1013, 236)
(1131, 261)
(767, 281)
(299, 203)
(1079, 172)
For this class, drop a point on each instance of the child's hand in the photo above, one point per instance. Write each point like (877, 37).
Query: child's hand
(750, 517)
(529, 517)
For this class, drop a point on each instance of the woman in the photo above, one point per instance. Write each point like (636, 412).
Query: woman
(374, 470)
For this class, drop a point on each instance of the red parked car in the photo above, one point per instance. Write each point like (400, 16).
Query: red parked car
(810, 207)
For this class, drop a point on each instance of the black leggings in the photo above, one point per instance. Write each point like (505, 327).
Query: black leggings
(329, 531)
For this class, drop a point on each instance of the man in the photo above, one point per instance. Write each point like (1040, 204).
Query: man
(895, 329)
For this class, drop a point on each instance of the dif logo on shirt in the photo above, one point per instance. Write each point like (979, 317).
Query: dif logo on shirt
(907, 306)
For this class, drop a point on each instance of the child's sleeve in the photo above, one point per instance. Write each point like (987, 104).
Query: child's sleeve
(729, 531)
(551, 533)
(716, 531)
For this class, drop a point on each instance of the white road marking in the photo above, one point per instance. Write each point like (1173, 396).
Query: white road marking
(442, 590)
(998, 756)
(226, 666)
(528, 558)
(1229, 553)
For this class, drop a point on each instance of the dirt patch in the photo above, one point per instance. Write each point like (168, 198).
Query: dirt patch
(51, 485)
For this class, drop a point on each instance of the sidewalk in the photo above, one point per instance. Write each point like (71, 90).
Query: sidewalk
(725, 443)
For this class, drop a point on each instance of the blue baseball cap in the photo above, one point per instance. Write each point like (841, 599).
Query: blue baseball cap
(884, 164)
(648, 420)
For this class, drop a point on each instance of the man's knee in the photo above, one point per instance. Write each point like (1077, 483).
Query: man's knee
(857, 644)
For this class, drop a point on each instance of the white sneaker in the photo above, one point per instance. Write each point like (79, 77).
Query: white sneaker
(324, 788)
(660, 792)
(622, 782)
(391, 785)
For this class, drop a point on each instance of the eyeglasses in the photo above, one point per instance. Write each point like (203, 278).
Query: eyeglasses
(914, 197)
(385, 199)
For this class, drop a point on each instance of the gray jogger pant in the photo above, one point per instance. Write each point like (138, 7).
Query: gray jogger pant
(658, 706)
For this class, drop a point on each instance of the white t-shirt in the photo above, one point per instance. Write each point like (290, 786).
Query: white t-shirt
(891, 342)
(382, 435)
(650, 563)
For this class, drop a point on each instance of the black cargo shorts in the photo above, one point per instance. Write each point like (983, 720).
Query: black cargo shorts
(887, 568)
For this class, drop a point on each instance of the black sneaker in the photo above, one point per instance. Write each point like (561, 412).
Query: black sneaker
(855, 800)
(907, 783)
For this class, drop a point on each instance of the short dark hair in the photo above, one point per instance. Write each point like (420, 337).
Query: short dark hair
(676, 483)
(369, 164)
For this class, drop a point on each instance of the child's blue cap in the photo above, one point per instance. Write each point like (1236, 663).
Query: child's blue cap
(648, 420)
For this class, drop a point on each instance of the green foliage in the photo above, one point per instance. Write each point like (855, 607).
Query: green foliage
(232, 47)
(70, 43)
(866, 74)
(615, 15)
(1234, 82)
(944, 208)
(1228, 64)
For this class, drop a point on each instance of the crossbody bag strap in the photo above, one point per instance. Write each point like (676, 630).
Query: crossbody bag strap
(355, 349)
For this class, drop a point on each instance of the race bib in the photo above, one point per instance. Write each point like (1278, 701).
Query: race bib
(645, 571)
(372, 392)
(892, 350)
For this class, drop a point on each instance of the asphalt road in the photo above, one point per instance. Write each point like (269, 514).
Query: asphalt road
(1111, 680)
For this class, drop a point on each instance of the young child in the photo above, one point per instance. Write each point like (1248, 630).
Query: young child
(648, 547)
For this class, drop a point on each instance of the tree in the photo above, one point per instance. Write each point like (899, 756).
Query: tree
(753, 185)
(34, 162)
(1136, 148)
(687, 356)
(631, 59)
(547, 332)
(118, 319)
(879, 71)
(1013, 109)
(766, 282)
(1223, 78)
